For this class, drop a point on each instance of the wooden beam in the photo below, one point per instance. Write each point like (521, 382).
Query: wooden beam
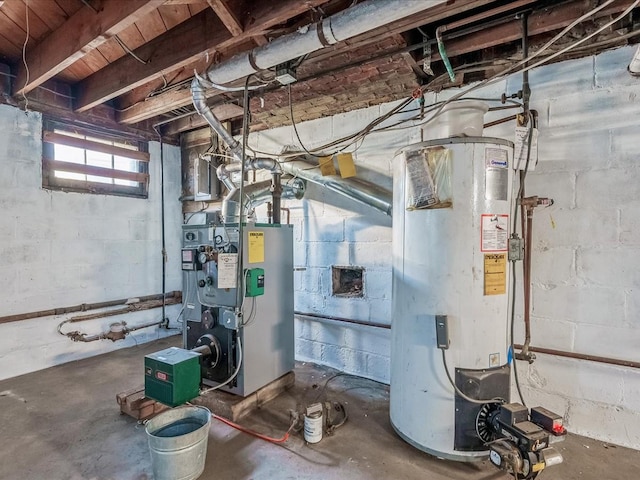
(223, 112)
(227, 16)
(176, 99)
(83, 32)
(202, 34)
(540, 22)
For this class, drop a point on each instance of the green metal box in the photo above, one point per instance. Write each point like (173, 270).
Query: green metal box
(255, 282)
(172, 376)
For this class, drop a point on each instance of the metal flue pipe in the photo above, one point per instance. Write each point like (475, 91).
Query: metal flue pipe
(356, 189)
(361, 18)
(257, 194)
(361, 191)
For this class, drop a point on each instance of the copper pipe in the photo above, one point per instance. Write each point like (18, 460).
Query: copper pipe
(82, 307)
(526, 278)
(583, 356)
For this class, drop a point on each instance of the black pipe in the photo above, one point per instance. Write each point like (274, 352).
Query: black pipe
(364, 323)
(526, 88)
(276, 194)
(164, 245)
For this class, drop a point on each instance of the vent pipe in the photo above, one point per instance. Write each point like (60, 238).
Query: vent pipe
(361, 191)
(361, 18)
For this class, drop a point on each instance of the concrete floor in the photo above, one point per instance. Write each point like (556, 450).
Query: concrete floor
(64, 423)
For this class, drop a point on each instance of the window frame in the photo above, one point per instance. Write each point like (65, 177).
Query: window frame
(53, 134)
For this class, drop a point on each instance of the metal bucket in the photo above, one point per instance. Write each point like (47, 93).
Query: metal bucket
(178, 443)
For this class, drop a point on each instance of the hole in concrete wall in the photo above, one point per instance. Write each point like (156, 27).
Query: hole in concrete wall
(347, 281)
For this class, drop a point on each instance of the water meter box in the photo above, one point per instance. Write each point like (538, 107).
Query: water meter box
(172, 376)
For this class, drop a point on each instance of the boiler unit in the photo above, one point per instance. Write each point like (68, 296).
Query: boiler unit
(450, 347)
(256, 347)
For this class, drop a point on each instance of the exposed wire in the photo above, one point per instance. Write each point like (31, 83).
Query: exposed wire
(343, 374)
(295, 128)
(545, 47)
(261, 436)
(459, 392)
(24, 57)
(129, 51)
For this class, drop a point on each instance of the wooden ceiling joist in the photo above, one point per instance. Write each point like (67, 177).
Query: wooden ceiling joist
(223, 112)
(175, 99)
(83, 32)
(227, 16)
(180, 46)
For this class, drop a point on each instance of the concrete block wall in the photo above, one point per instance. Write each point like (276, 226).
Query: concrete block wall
(61, 249)
(586, 256)
(334, 231)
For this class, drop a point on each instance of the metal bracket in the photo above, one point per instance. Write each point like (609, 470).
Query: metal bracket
(426, 54)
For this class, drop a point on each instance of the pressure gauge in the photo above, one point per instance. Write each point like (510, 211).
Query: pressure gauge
(203, 258)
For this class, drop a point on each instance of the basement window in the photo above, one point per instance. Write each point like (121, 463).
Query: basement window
(77, 159)
(347, 281)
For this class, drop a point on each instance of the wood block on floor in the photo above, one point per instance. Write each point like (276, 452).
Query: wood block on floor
(234, 407)
(134, 403)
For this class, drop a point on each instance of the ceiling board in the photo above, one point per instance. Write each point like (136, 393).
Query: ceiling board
(16, 11)
(68, 7)
(151, 26)
(173, 15)
(196, 8)
(131, 37)
(111, 50)
(95, 60)
(7, 47)
(50, 12)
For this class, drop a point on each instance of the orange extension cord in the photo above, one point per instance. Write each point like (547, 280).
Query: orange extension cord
(251, 432)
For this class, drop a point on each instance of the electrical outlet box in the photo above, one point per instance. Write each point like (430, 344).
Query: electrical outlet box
(255, 282)
(442, 331)
(172, 376)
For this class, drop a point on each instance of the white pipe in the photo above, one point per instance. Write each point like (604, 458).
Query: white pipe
(634, 66)
(353, 21)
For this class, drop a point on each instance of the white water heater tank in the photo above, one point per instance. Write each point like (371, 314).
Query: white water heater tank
(451, 225)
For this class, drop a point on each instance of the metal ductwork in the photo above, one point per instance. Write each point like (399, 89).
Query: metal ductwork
(356, 189)
(257, 194)
(353, 21)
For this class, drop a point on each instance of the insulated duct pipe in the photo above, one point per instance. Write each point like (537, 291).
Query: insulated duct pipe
(361, 191)
(353, 21)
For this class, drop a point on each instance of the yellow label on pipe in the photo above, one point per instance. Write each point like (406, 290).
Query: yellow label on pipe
(326, 166)
(346, 165)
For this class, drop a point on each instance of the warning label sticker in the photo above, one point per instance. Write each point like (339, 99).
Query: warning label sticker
(495, 273)
(494, 234)
(227, 270)
(256, 247)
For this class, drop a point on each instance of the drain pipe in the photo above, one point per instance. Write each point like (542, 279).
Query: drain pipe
(361, 18)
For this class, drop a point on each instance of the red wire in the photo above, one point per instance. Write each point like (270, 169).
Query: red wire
(251, 432)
